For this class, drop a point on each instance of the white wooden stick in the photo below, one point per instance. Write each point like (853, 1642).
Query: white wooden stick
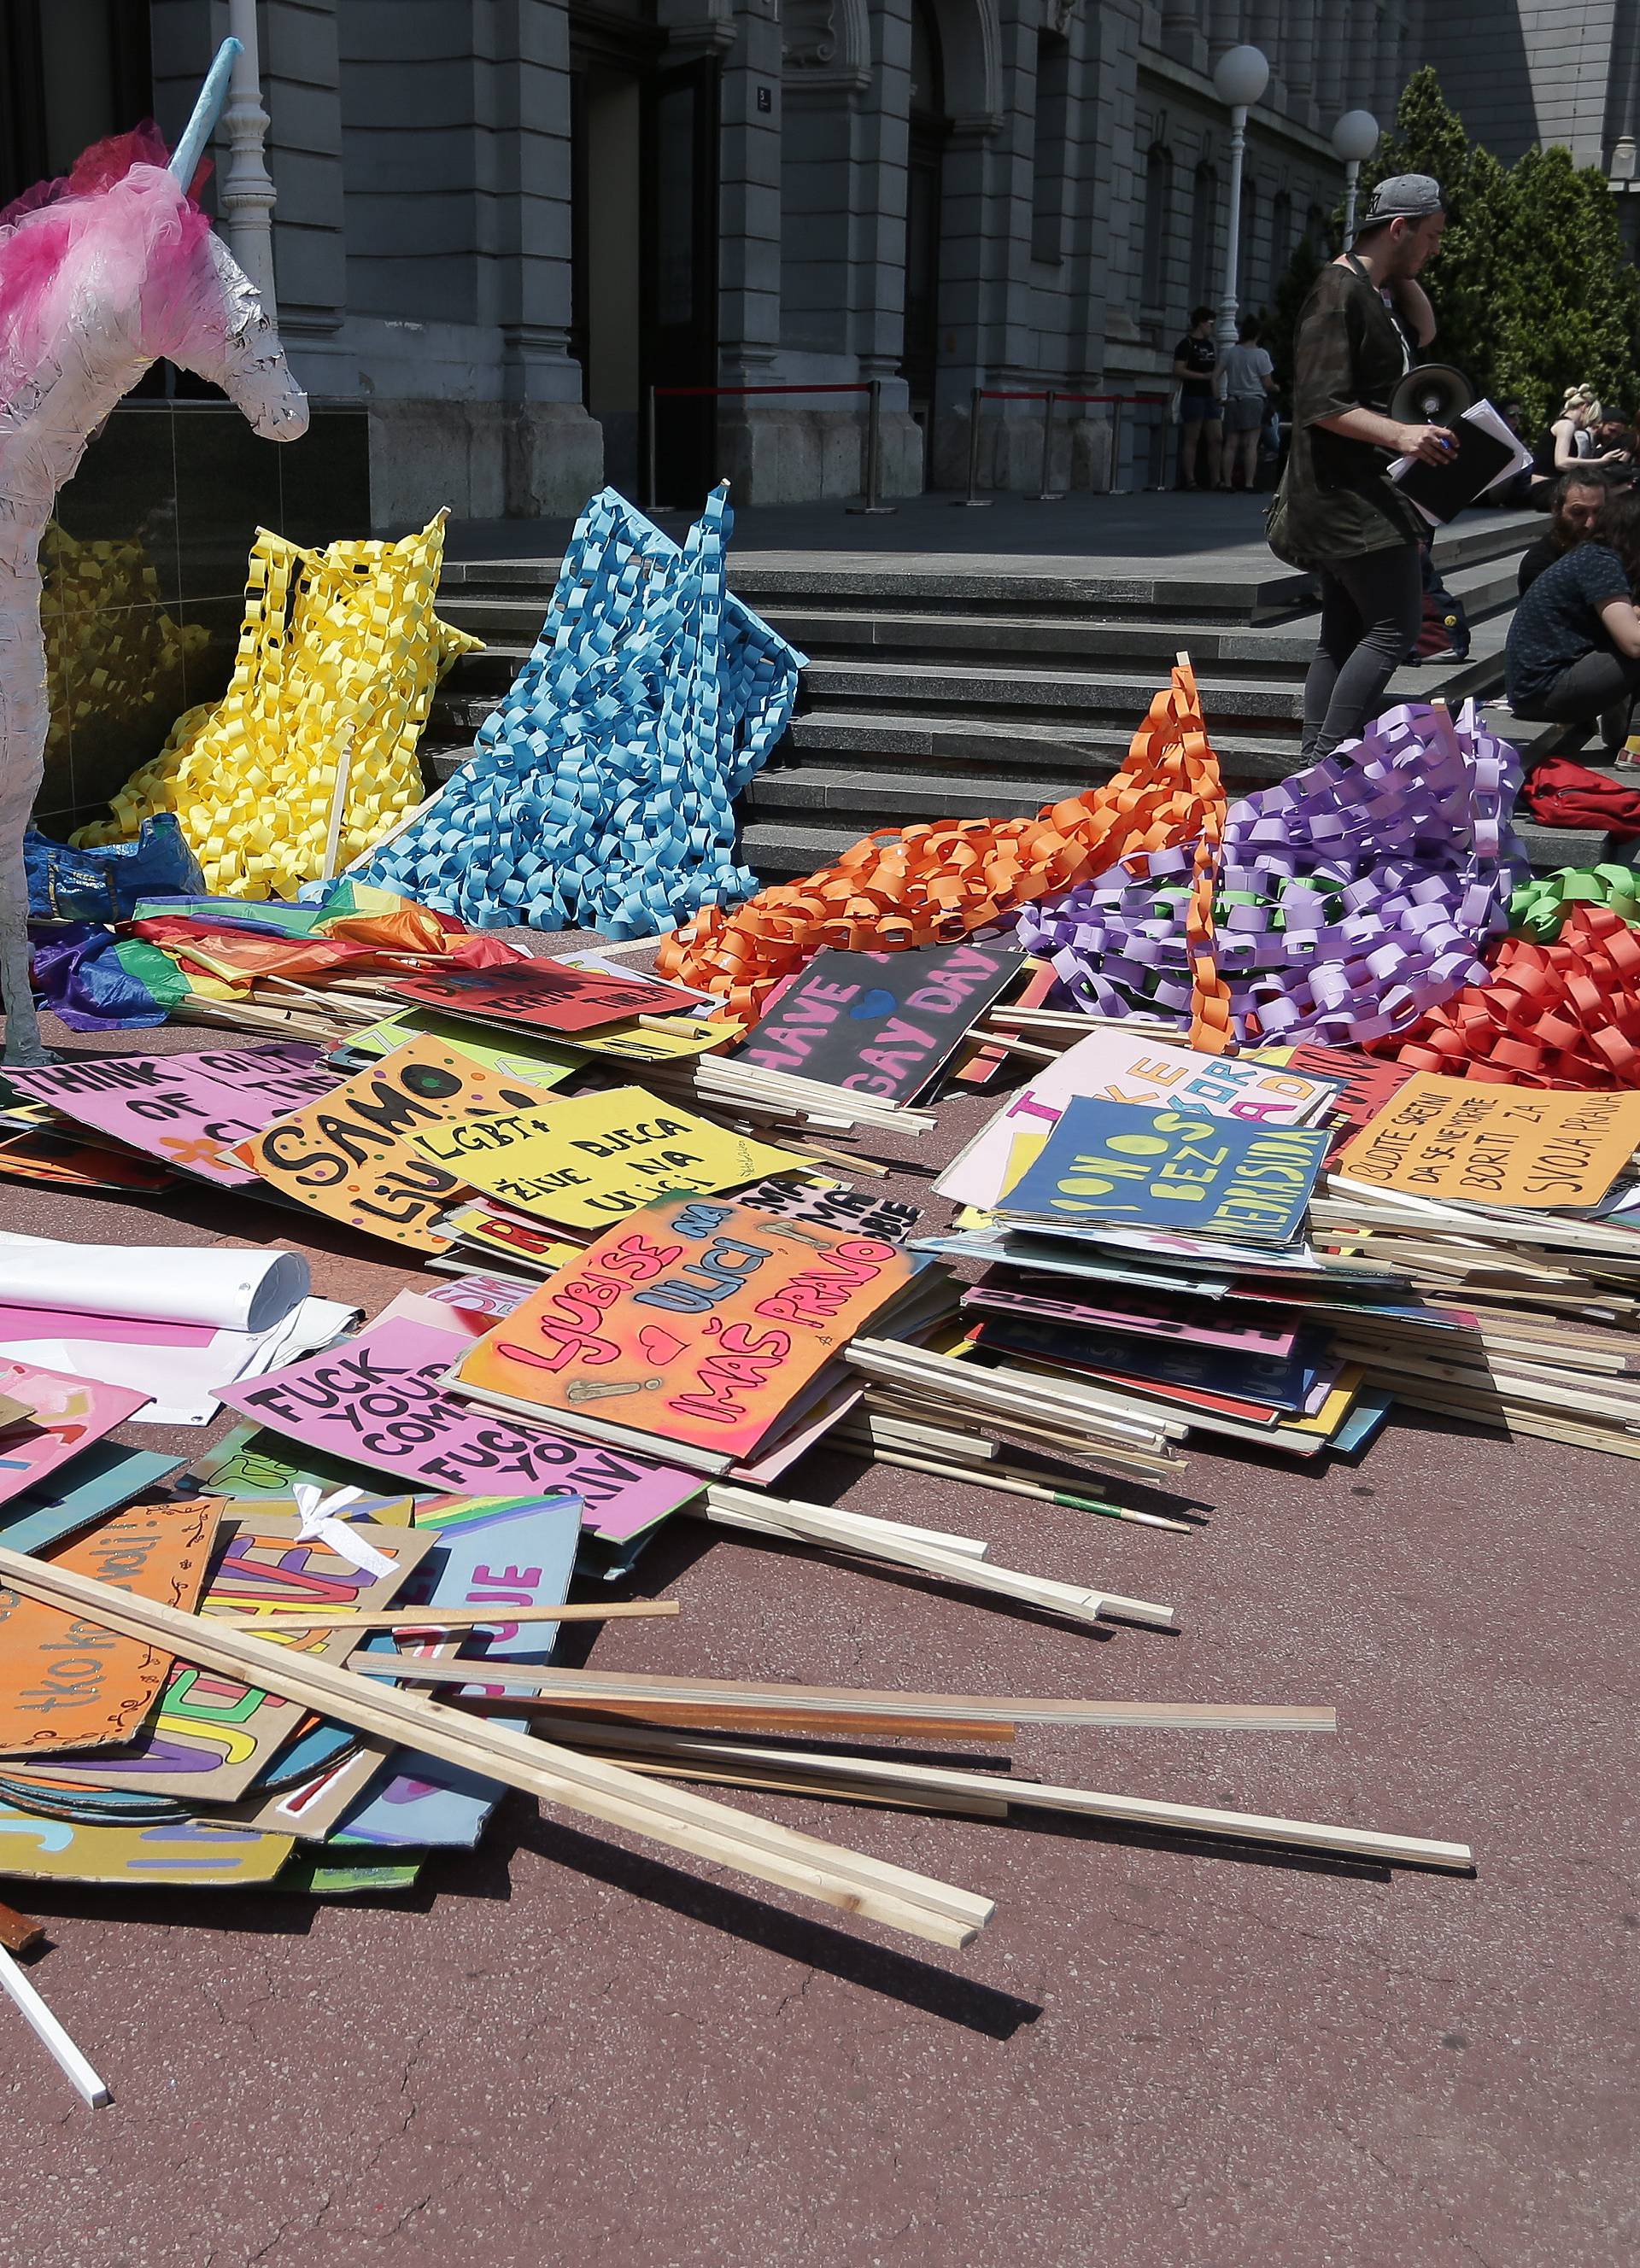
(52, 2036)
(338, 795)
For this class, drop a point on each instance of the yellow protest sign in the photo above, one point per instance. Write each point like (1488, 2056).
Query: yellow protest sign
(589, 1161)
(1448, 1139)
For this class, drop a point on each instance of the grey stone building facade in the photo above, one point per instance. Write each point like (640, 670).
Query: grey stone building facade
(500, 223)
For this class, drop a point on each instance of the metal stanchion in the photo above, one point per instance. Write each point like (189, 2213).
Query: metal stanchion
(650, 483)
(874, 506)
(1113, 468)
(973, 501)
(1048, 495)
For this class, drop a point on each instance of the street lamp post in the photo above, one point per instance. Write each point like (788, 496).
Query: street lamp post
(1241, 77)
(1355, 137)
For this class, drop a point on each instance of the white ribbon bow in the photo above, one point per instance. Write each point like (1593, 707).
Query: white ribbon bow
(320, 1519)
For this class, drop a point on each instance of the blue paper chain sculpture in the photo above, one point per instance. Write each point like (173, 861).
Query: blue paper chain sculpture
(601, 794)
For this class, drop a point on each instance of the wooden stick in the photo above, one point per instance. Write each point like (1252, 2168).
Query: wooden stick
(821, 1524)
(845, 1878)
(20, 1932)
(1036, 1795)
(429, 1618)
(1007, 1484)
(52, 2036)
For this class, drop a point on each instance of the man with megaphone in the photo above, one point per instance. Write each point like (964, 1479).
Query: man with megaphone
(1336, 511)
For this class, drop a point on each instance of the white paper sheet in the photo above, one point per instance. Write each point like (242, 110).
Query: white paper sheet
(183, 1380)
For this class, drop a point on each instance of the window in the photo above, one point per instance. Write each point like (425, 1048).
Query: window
(1247, 249)
(1158, 202)
(1047, 153)
(1204, 214)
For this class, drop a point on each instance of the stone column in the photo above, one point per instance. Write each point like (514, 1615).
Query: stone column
(1184, 34)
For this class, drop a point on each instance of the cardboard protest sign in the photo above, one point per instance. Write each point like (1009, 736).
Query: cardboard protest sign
(525, 1057)
(1364, 1084)
(1141, 1316)
(1170, 1170)
(834, 1205)
(211, 1736)
(543, 996)
(59, 1162)
(598, 1157)
(66, 1683)
(185, 1110)
(689, 1328)
(103, 1478)
(380, 1400)
(66, 1416)
(491, 1555)
(353, 1155)
(1450, 1139)
(881, 1022)
(33, 1849)
(1108, 1066)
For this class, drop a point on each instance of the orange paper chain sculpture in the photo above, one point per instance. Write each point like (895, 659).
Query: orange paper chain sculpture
(928, 885)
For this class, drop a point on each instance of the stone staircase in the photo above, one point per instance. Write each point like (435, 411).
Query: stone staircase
(948, 688)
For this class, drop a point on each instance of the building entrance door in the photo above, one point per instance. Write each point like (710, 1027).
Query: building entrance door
(930, 130)
(643, 142)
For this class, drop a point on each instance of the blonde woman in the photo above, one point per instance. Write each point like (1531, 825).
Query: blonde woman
(1570, 440)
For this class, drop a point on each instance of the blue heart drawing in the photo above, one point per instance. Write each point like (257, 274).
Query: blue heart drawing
(871, 1006)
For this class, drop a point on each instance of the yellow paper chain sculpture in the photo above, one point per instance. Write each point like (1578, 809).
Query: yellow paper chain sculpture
(340, 652)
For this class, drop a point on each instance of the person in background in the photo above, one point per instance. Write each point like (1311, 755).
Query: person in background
(1614, 443)
(1336, 511)
(1569, 440)
(1573, 654)
(1195, 373)
(1249, 377)
(1578, 495)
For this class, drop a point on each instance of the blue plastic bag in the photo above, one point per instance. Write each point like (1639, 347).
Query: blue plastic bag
(65, 884)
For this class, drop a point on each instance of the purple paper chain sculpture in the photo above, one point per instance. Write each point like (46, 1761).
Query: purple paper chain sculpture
(1350, 898)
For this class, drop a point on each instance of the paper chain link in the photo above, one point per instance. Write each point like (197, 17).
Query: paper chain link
(342, 637)
(928, 885)
(601, 793)
(1349, 899)
(1542, 902)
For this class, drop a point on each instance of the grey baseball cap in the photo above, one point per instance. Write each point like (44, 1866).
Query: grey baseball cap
(1404, 196)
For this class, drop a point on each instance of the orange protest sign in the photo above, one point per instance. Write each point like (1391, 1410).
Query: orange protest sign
(688, 1328)
(67, 1683)
(1448, 1139)
(351, 1153)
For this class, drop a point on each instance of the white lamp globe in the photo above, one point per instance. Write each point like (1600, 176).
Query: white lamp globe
(1241, 76)
(1355, 137)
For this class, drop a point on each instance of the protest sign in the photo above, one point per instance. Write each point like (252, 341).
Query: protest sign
(380, 1400)
(525, 1057)
(66, 1683)
(211, 1737)
(540, 995)
(34, 1849)
(591, 1160)
(1364, 1084)
(881, 1022)
(352, 1155)
(1108, 1066)
(1172, 1169)
(834, 1205)
(103, 1478)
(185, 1110)
(66, 1416)
(1449, 1138)
(689, 1328)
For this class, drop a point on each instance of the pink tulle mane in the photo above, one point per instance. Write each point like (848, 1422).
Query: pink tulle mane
(116, 200)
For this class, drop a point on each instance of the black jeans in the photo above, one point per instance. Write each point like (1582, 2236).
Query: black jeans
(1598, 685)
(1371, 609)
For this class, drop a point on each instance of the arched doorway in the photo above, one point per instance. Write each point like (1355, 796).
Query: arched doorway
(930, 131)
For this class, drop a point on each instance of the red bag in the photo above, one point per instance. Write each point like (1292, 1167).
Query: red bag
(1561, 793)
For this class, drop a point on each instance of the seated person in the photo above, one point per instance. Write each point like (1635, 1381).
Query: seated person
(1578, 495)
(1573, 653)
(1569, 440)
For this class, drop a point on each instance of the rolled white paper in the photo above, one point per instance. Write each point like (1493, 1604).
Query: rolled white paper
(231, 1288)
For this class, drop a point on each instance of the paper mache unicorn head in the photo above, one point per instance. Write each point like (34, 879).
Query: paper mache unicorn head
(101, 273)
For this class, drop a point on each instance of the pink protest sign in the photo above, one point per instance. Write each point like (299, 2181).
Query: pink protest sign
(185, 1110)
(66, 1416)
(379, 1400)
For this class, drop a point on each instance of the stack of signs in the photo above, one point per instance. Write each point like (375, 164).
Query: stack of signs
(122, 1764)
(697, 1331)
(542, 996)
(885, 1023)
(1144, 1206)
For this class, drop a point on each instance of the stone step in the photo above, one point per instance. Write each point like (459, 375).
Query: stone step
(963, 743)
